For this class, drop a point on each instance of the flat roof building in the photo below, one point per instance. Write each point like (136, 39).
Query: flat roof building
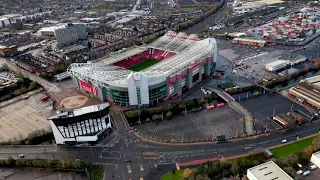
(86, 124)
(276, 65)
(267, 171)
(315, 158)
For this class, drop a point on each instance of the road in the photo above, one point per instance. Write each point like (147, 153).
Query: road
(145, 156)
(204, 25)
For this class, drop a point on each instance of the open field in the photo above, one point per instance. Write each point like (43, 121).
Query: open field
(143, 65)
(284, 151)
(172, 176)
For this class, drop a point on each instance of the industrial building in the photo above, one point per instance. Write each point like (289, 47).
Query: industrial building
(308, 90)
(284, 121)
(86, 124)
(315, 158)
(250, 42)
(268, 170)
(182, 61)
(4, 22)
(276, 65)
(65, 34)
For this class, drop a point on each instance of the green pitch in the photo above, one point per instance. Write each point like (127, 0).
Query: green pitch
(143, 65)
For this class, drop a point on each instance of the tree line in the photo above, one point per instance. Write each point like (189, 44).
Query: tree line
(21, 86)
(95, 172)
(190, 23)
(168, 111)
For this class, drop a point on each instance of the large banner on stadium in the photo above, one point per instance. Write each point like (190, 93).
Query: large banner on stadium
(88, 88)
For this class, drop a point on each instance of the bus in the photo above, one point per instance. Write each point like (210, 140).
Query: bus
(62, 76)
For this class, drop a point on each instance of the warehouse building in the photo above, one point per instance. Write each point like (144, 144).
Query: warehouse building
(308, 91)
(267, 171)
(276, 65)
(315, 158)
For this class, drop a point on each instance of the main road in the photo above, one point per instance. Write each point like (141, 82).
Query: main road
(145, 155)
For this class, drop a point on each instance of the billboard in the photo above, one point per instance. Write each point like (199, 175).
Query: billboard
(88, 88)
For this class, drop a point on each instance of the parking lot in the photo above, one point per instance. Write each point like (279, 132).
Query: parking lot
(6, 78)
(202, 125)
(262, 106)
(20, 119)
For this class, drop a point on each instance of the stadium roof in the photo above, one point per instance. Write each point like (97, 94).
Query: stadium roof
(188, 49)
(80, 111)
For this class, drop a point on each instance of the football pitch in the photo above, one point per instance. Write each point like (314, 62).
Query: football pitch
(143, 65)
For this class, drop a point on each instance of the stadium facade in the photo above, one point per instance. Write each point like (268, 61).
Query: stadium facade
(183, 62)
(86, 124)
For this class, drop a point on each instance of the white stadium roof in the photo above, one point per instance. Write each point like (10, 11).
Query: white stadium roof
(188, 50)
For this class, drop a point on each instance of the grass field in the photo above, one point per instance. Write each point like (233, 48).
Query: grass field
(189, 9)
(291, 148)
(170, 176)
(143, 65)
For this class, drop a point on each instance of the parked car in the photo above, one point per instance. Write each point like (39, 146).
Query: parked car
(306, 173)
(284, 141)
(299, 172)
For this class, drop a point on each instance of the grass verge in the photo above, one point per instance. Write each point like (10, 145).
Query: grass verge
(189, 9)
(286, 150)
(172, 176)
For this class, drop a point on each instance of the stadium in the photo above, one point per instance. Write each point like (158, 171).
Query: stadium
(145, 75)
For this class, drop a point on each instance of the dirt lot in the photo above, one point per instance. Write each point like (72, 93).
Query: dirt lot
(72, 98)
(33, 174)
(19, 119)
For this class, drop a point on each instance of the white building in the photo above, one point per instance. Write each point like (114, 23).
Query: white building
(65, 33)
(276, 65)
(267, 171)
(87, 124)
(4, 22)
(315, 159)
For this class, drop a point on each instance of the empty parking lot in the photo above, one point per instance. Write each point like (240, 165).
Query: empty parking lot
(262, 106)
(197, 126)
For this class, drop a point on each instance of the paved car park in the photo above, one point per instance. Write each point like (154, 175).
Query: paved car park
(13, 122)
(262, 106)
(201, 125)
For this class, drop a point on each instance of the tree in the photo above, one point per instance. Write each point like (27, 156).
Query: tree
(306, 68)
(235, 169)
(5, 67)
(23, 90)
(187, 172)
(316, 65)
(44, 75)
(168, 114)
(20, 75)
(17, 92)
(290, 171)
(32, 85)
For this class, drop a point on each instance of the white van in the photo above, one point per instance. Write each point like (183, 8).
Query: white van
(313, 167)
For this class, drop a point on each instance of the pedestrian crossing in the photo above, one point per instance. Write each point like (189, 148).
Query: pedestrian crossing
(172, 153)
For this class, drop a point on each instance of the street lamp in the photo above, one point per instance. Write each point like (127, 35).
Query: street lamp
(150, 165)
